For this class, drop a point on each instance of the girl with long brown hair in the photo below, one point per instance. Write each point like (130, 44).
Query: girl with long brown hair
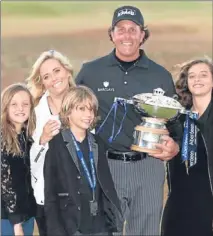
(17, 126)
(189, 209)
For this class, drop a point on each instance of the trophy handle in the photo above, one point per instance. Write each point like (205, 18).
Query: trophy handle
(121, 100)
(137, 100)
(183, 111)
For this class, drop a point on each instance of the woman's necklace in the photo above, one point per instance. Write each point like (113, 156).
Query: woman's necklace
(53, 107)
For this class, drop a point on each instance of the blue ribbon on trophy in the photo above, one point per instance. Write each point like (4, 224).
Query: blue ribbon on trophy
(113, 108)
(156, 110)
(189, 144)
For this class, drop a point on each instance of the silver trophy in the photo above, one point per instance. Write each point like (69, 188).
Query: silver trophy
(155, 109)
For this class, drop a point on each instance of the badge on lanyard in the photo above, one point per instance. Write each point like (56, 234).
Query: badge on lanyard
(91, 178)
(93, 208)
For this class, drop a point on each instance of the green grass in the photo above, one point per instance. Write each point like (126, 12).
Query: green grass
(60, 8)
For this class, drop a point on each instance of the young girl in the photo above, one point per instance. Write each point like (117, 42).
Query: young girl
(17, 125)
(80, 197)
(189, 209)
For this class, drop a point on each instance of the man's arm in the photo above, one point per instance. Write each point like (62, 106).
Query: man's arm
(172, 144)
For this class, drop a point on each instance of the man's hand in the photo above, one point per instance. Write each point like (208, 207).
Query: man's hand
(169, 149)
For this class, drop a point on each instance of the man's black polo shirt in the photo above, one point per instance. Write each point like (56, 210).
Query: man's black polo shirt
(108, 79)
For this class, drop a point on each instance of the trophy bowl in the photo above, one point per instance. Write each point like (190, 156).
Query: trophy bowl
(156, 110)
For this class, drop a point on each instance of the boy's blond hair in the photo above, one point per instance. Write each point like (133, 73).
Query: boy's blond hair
(75, 96)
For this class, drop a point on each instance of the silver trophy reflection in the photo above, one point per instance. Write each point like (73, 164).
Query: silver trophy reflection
(156, 110)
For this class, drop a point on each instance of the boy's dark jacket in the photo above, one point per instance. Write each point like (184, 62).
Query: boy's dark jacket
(61, 174)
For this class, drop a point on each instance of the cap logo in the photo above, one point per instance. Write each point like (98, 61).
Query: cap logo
(126, 12)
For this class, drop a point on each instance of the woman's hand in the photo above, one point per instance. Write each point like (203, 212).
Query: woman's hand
(18, 230)
(50, 129)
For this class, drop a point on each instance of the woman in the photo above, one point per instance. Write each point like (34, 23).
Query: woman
(51, 78)
(189, 209)
(80, 197)
(17, 125)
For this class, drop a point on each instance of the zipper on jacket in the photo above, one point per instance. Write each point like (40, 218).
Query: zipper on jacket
(211, 186)
(169, 177)
(26, 164)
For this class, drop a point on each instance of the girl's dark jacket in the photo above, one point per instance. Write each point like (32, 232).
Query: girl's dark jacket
(61, 186)
(206, 130)
(17, 200)
(207, 133)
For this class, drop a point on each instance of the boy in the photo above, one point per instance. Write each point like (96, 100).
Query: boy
(80, 197)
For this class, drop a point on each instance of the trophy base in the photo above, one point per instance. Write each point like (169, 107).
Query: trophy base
(146, 136)
(146, 150)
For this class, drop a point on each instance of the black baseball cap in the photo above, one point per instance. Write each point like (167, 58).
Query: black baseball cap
(128, 13)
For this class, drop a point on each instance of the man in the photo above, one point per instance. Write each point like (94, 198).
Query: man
(125, 72)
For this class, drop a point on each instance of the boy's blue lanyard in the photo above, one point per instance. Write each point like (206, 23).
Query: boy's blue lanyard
(91, 179)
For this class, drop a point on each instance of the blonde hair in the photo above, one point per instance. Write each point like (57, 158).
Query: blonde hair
(34, 81)
(77, 95)
(9, 140)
